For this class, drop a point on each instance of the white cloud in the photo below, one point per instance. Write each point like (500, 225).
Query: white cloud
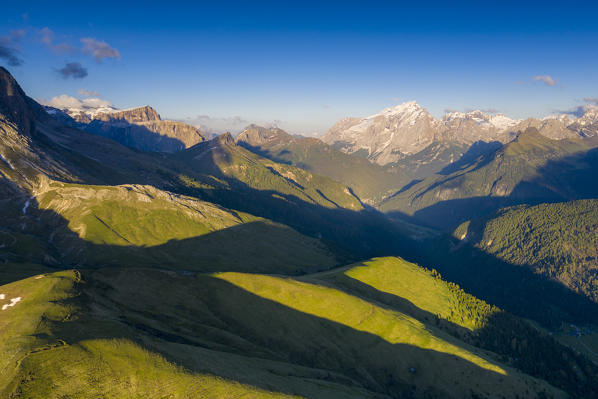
(546, 79)
(232, 124)
(209, 124)
(99, 49)
(88, 104)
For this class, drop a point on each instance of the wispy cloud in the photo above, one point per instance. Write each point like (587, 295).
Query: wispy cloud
(8, 47)
(546, 79)
(233, 124)
(88, 93)
(9, 54)
(72, 70)
(210, 124)
(47, 37)
(17, 34)
(592, 100)
(99, 49)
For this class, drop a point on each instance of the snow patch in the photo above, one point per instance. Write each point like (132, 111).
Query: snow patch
(2, 296)
(12, 303)
(25, 207)
(486, 121)
(7, 162)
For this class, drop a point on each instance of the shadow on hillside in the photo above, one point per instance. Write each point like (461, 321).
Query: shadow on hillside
(273, 330)
(392, 302)
(479, 149)
(565, 179)
(516, 342)
(356, 234)
(129, 134)
(249, 328)
(351, 236)
(515, 288)
(43, 237)
(263, 152)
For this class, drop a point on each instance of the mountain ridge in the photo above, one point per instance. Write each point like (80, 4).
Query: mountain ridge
(139, 127)
(405, 129)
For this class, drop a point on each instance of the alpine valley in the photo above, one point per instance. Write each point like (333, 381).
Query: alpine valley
(399, 256)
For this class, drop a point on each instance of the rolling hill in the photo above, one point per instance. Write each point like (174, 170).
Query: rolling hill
(218, 272)
(125, 332)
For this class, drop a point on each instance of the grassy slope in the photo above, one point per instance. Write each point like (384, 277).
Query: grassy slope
(420, 287)
(370, 182)
(224, 159)
(40, 362)
(138, 332)
(143, 226)
(511, 174)
(312, 204)
(558, 240)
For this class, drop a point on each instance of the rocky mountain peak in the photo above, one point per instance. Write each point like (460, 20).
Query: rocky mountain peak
(133, 115)
(225, 139)
(386, 136)
(482, 119)
(14, 103)
(255, 135)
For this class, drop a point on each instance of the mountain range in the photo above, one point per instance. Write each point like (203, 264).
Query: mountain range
(272, 266)
(407, 129)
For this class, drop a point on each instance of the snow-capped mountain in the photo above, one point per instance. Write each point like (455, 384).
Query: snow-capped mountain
(386, 136)
(587, 124)
(407, 129)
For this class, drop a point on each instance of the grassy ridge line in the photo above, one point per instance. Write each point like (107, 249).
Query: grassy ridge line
(421, 287)
(116, 368)
(145, 227)
(152, 333)
(342, 308)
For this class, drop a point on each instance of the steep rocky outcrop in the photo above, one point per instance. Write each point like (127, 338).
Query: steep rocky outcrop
(140, 128)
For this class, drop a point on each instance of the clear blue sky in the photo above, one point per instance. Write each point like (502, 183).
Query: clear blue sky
(305, 65)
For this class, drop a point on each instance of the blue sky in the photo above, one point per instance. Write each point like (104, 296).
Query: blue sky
(305, 65)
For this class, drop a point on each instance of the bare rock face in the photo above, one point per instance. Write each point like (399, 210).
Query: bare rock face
(140, 128)
(257, 136)
(587, 124)
(475, 126)
(135, 115)
(406, 130)
(14, 103)
(387, 136)
(549, 127)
